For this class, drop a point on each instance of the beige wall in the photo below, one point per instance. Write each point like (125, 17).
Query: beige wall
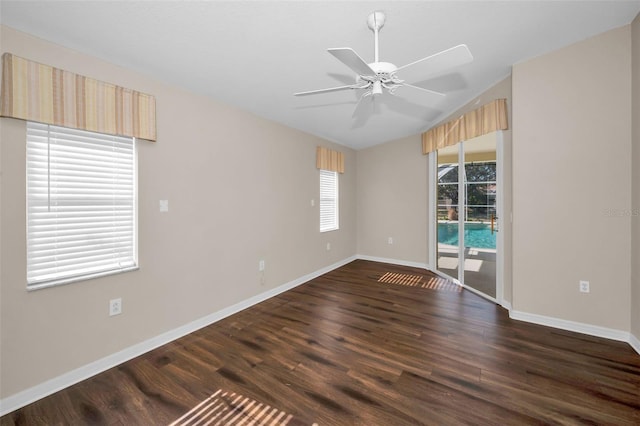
(635, 219)
(392, 201)
(239, 190)
(571, 170)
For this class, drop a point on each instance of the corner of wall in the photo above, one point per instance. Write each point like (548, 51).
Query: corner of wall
(635, 183)
(392, 201)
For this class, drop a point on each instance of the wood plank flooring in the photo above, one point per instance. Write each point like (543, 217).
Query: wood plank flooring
(345, 349)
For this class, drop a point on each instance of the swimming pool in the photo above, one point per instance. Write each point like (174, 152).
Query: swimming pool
(475, 235)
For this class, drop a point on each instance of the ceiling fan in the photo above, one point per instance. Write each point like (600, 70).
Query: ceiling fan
(378, 77)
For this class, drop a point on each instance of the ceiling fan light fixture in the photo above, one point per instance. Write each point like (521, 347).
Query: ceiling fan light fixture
(376, 89)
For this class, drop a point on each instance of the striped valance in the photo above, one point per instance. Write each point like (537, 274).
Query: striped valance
(486, 119)
(37, 92)
(328, 159)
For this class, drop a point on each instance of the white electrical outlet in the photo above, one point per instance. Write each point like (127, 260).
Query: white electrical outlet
(584, 286)
(115, 306)
(261, 266)
(328, 246)
(164, 206)
(313, 202)
(390, 240)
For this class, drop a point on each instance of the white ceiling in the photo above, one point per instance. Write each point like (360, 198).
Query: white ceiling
(256, 54)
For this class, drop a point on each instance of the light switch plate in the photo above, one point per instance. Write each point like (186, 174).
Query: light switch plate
(164, 205)
(584, 286)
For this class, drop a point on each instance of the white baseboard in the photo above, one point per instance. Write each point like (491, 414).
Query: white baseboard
(506, 304)
(634, 342)
(65, 380)
(592, 330)
(393, 261)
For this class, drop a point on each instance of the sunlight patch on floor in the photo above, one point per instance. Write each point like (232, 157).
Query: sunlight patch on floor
(230, 408)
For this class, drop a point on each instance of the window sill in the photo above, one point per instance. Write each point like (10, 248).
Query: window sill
(329, 230)
(65, 281)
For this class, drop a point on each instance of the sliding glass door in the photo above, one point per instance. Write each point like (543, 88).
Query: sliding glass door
(479, 219)
(467, 213)
(447, 214)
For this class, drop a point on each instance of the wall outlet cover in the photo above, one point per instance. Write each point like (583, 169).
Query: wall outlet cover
(115, 307)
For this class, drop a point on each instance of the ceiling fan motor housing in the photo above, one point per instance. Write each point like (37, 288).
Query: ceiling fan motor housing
(384, 77)
(383, 68)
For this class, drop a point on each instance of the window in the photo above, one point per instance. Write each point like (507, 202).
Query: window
(328, 201)
(81, 205)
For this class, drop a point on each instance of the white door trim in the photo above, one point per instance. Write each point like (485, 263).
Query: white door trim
(500, 221)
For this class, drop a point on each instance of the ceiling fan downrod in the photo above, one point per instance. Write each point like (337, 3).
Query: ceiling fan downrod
(375, 22)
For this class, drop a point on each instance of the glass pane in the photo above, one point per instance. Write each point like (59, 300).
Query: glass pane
(447, 211)
(480, 215)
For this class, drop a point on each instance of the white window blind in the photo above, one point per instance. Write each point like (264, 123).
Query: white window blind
(81, 205)
(328, 200)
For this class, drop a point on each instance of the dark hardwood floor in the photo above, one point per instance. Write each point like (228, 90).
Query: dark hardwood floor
(345, 349)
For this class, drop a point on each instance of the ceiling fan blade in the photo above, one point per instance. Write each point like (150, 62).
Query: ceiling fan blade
(350, 58)
(324, 105)
(407, 108)
(442, 61)
(433, 92)
(331, 89)
(343, 78)
(367, 106)
(364, 106)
